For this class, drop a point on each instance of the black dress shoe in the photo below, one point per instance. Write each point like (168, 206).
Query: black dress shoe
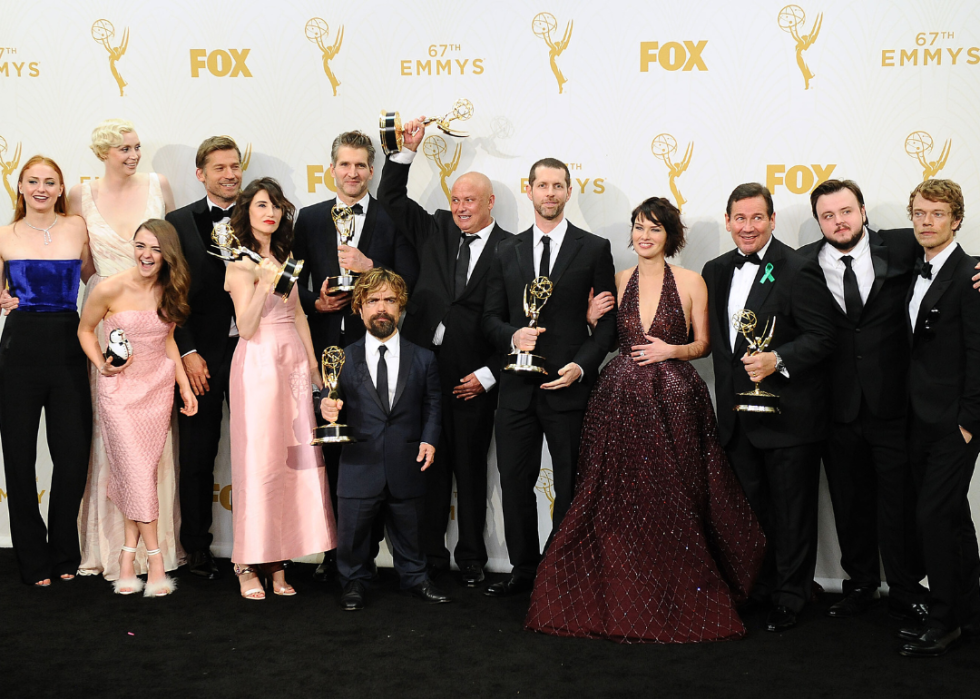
(427, 592)
(912, 631)
(327, 570)
(353, 597)
(472, 574)
(202, 563)
(857, 601)
(781, 619)
(511, 586)
(933, 643)
(912, 612)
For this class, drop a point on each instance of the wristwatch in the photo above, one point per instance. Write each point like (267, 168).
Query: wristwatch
(780, 366)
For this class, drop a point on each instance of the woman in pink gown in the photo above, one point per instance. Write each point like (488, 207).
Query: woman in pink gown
(281, 508)
(135, 399)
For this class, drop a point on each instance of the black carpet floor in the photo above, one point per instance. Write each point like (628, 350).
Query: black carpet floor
(77, 639)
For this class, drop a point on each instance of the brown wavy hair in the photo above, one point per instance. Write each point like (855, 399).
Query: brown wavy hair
(282, 239)
(60, 205)
(373, 280)
(660, 210)
(175, 277)
(945, 191)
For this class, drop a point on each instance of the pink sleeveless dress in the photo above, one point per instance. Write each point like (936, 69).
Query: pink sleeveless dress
(135, 408)
(280, 502)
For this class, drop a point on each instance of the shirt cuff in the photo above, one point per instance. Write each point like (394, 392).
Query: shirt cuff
(193, 351)
(402, 157)
(485, 377)
(582, 374)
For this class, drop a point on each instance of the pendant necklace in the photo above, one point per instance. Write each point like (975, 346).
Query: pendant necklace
(46, 231)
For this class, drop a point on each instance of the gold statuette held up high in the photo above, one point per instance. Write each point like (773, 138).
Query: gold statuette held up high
(230, 249)
(392, 133)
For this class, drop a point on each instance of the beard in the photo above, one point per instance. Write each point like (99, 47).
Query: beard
(542, 212)
(850, 242)
(381, 325)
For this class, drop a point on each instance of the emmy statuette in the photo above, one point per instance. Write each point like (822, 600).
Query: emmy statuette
(536, 295)
(230, 250)
(755, 401)
(392, 133)
(331, 363)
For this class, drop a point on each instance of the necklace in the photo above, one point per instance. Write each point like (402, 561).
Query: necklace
(46, 231)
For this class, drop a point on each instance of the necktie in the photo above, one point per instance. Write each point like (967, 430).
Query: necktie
(740, 260)
(357, 209)
(217, 213)
(545, 257)
(382, 375)
(924, 269)
(463, 264)
(852, 295)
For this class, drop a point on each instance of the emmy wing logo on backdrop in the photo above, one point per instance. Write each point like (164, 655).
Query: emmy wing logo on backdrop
(664, 146)
(9, 167)
(918, 144)
(317, 31)
(791, 19)
(102, 32)
(246, 156)
(542, 25)
(434, 148)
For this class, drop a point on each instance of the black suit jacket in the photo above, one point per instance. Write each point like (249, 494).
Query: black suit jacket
(802, 306)
(944, 375)
(315, 242)
(388, 443)
(584, 262)
(872, 357)
(436, 237)
(206, 329)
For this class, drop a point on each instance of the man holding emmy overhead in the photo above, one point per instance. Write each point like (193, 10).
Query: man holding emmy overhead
(865, 457)
(549, 404)
(455, 249)
(776, 456)
(207, 342)
(374, 244)
(943, 330)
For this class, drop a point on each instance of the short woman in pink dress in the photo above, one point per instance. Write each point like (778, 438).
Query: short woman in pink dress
(135, 399)
(281, 509)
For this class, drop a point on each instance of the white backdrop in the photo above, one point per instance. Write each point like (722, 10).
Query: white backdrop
(655, 99)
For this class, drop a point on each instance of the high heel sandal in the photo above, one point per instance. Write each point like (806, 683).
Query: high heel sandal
(161, 588)
(127, 586)
(255, 593)
(271, 569)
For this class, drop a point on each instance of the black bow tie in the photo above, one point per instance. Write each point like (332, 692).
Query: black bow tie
(357, 209)
(217, 214)
(924, 269)
(740, 260)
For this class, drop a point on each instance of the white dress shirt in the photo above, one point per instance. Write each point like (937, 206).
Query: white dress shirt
(741, 286)
(922, 284)
(833, 268)
(557, 237)
(372, 355)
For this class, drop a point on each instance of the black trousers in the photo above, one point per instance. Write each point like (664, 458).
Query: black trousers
(782, 487)
(519, 434)
(873, 497)
(42, 366)
(467, 428)
(355, 523)
(942, 465)
(199, 438)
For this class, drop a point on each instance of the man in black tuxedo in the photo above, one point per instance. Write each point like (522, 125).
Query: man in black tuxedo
(868, 273)
(775, 456)
(533, 405)
(375, 244)
(445, 312)
(943, 328)
(391, 389)
(207, 343)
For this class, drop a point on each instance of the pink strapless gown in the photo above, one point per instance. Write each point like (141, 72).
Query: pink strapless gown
(281, 509)
(134, 409)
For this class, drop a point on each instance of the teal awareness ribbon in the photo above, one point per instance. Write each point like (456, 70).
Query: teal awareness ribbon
(767, 277)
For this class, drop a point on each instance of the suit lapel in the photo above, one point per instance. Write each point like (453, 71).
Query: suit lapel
(524, 249)
(569, 249)
(202, 219)
(330, 240)
(359, 357)
(406, 352)
(370, 219)
(483, 263)
(879, 259)
(723, 284)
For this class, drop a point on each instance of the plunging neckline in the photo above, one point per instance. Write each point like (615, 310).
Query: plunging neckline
(648, 328)
(95, 205)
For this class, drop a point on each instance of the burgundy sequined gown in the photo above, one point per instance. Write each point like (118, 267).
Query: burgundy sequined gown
(660, 543)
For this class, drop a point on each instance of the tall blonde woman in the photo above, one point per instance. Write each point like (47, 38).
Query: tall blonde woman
(113, 207)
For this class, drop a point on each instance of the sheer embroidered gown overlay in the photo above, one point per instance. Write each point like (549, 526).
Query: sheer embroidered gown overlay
(660, 543)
